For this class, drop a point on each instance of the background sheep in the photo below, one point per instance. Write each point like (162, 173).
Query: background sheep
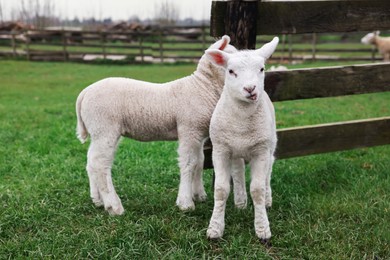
(382, 43)
(243, 127)
(181, 109)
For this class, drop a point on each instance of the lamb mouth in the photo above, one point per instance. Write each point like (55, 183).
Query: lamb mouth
(252, 97)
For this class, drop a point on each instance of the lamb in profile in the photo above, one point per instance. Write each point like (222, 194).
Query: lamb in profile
(181, 109)
(243, 128)
(382, 43)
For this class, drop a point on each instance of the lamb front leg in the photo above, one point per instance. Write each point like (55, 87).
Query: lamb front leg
(259, 172)
(221, 192)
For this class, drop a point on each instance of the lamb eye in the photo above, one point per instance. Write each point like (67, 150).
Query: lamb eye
(262, 69)
(231, 72)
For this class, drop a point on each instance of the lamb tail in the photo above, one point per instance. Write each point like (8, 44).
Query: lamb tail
(81, 130)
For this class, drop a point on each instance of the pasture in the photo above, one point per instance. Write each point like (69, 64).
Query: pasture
(328, 206)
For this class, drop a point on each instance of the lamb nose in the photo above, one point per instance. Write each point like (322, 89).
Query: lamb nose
(249, 89)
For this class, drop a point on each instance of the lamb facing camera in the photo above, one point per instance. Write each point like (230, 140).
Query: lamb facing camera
(243, 128)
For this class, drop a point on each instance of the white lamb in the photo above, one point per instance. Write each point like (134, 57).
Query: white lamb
(243, 128)
(181, 109)
(382, 43)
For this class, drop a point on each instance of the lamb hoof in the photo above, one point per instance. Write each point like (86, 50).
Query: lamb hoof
(214, 234)
(200, 197)
(263, 234)
(240, 205)
(266, 242)
(185, 206)
(98, 202)
(115, 211)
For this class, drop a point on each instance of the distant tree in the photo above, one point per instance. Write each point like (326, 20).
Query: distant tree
(40, 13)
(134, 19)
(76, 21)
(166, 13)
(107, 21)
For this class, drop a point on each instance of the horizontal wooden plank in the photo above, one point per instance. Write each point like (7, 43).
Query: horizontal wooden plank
(299, 141)
(308, 140)
(310, 16)
(327, 82)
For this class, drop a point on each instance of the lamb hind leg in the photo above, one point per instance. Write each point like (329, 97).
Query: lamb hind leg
(100, 157)
(94, 189)
(191, 164)
(198, 192)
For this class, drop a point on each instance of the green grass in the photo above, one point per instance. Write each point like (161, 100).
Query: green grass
(329, 206)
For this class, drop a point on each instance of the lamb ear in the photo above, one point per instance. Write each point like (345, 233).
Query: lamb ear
(268, 48)
(218, 57)
(221, 44)
(225, 41)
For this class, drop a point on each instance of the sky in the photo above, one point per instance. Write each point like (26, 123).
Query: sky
(116, 9)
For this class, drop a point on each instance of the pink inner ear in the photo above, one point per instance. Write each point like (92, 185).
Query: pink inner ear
(223, 46)
(218, 58)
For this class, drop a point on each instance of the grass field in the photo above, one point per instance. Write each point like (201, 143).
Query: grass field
(330, 206)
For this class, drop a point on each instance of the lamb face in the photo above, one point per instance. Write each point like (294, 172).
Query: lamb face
(244, 77)
(368, 39)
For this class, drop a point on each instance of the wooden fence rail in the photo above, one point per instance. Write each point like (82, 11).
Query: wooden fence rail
(309, 16)
(157, 45)
(300, 141)
(341, 15)
(327, 82)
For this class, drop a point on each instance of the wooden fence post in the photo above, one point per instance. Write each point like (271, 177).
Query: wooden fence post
(160, 42)
(283, 48)
(240, 23)
(203, 37)
(13, 44)
(103, 43)
(290, 51)
(141, 49)
(64, 42)
(27, 45)
(313, 46)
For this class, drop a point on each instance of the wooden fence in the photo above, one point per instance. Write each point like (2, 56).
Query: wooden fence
(162, 44)
(158, 44)
(273, 18)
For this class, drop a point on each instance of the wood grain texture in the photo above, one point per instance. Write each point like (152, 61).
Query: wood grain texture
(240, 23)
(341, 136)
(327, 82)
(308, 17)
